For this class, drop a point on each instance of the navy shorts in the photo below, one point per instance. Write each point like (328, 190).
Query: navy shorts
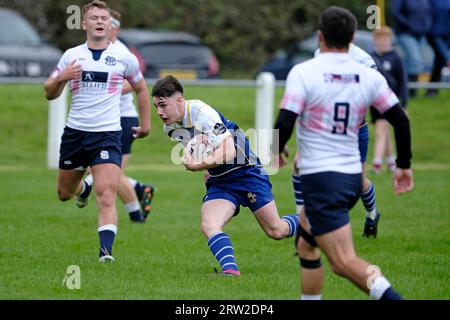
(81, 149)
(363, 141)
(329, 196)
(248, 187)
(127, 133)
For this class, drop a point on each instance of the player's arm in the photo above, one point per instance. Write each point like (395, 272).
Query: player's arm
(225, 152)
(127, 88)
(55, 84)
(387, 103)
(135, 78)
(143, 102)
(291, 107)
(403, 176)
(209, 122)
(285, 124)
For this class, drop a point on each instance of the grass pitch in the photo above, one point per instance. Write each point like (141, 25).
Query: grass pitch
(168, 257)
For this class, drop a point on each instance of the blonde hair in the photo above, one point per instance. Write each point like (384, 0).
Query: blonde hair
(95, 4)
(383, 31)
(115, 14)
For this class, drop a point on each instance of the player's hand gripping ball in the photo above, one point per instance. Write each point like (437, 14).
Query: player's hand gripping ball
(199, 148)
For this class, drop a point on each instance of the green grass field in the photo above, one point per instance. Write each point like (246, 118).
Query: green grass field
(168, 258)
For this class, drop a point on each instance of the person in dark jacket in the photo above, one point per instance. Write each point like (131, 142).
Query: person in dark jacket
(390, 65)
(412, 21)
(438, 38)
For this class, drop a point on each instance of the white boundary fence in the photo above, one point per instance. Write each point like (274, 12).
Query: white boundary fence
(265, 98)
(265, 85)
(57, 113)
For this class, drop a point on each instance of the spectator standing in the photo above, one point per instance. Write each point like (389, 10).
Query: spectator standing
(438, 38)
(391, 67)
(412, 21)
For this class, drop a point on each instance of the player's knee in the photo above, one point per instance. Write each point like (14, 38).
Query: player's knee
(306, 251)
(63, 195)
(105, 201)
(209, 229)
(106, 198)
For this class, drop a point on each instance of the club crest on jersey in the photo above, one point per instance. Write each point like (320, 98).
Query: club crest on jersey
(110, 61)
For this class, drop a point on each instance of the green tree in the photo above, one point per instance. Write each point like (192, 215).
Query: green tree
(242, 33)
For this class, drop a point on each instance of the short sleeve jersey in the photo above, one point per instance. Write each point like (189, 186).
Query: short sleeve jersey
(96, 95)
(127, 106)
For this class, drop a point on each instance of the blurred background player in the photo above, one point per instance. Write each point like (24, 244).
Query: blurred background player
(329, 96)
(390, 64)
(95, 72)
(133, 193)
(236, 176)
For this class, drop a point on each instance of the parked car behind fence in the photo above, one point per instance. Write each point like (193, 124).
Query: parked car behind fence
(23, 53)
(281, 64)
(180, 54)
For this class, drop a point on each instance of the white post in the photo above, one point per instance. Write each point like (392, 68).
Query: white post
(265, 97)
(57, 110)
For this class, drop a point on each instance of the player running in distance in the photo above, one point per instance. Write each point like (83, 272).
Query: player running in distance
(135, 195)
(95, 72)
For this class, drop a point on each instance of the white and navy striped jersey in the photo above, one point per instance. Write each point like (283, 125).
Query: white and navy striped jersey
(95, 104)
(127, 106)
(331, 95)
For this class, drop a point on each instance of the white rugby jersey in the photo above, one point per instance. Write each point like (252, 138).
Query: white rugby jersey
(331, 95)
(357, 54)
(127, 106)
(198, 118)
(96, 94)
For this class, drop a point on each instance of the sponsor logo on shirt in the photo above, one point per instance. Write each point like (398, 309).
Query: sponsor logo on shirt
(341, 78)
(94, 76)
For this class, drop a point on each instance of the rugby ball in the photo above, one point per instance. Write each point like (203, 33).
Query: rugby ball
(199, 147)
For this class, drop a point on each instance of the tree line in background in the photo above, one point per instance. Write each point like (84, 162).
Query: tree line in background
(242, 33)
